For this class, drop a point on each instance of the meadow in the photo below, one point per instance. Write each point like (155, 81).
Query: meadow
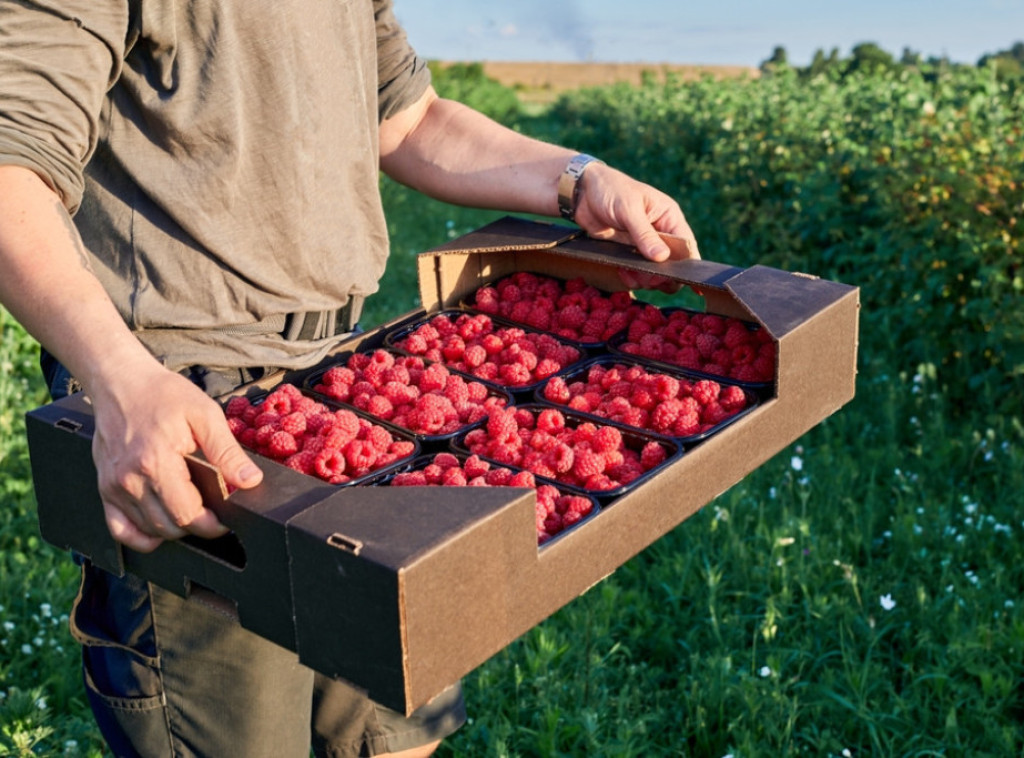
(860, 593)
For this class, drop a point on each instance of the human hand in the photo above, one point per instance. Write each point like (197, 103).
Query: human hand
(614, 206)
(146, 422)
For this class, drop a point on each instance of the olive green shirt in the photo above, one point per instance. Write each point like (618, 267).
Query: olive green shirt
(221, 156)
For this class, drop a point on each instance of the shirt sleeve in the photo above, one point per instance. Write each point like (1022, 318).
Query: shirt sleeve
(402, 76)
(57, 61)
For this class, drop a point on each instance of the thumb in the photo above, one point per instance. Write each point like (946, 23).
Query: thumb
(650, 244)
(223, 451)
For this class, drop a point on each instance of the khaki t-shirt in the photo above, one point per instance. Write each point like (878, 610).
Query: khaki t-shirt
(222, 155)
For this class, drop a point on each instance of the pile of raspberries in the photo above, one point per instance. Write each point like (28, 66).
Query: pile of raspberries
(556, 511)
(573, 309)
(472, 343)
(338, 446)
(629, 394)
(571, 451)
(705, 342)
(425, 398)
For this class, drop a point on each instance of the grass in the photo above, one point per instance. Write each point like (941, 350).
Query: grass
(859, 594)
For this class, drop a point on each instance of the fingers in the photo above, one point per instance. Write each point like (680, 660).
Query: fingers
(140, 447)
(223, 451)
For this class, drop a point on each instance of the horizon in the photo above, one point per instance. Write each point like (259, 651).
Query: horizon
(737, 33)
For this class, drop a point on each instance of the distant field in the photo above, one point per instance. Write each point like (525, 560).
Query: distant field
(537, 81)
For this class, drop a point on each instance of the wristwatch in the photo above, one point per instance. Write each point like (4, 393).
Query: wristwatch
(569, 184)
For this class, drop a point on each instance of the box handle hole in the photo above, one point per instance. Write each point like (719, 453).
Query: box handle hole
(347, 544)
(68, 425)
(226, 549)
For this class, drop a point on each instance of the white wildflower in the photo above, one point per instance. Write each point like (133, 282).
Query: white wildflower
(887, 602)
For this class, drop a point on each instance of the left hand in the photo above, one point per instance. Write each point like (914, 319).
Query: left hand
(614, 206)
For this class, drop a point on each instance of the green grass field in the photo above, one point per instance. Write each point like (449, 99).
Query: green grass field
(859, 594)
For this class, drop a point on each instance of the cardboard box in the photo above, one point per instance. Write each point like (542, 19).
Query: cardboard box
(402, 594)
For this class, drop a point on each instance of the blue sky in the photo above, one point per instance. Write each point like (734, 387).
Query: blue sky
(742, 32)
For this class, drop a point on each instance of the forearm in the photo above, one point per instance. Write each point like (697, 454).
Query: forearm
(458, 155)
(49, 287)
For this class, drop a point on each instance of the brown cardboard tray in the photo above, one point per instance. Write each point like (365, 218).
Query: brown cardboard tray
(402, 595)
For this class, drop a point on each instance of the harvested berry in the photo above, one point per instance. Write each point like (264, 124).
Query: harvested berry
(426, 398)
(708, 343)
(566, 447)
(570, 309)
(510, 357)
(336, 445)
(556, 510)
(635, 395)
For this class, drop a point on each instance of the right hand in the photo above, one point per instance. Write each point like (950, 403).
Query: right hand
(146, 422)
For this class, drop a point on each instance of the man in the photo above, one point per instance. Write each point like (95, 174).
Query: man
(220, 159)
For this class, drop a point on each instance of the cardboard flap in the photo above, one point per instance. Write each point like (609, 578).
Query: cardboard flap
(784, 301)
(509, 234)
(699, 272)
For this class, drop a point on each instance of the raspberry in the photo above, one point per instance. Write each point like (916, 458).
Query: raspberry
(550, 420)
(303, 462)
(665, 415)
(732, 398)
(402, 448)
(706, 391)
(522, 479)
(498, 476)
(687, 424)
(453, 477)
(278, 402)
(282, 445)
(556, 390)
(475, 466)
(606, 438)
(237, 406)
(329, 463)
(587, 463)
(409, 479)
(652, 455)
(707, 344)
(360, 454)
(501, 425)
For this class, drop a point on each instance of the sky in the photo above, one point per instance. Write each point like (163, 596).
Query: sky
(718, 32)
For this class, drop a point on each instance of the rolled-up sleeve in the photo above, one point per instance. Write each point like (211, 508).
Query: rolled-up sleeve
(57, 62)
(402, 76)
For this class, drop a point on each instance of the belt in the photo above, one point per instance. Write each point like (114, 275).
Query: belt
(309, 325)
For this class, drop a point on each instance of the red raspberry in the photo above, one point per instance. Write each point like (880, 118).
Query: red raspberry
(474, 355)
(498, 476)
(522, 479)
(409, 479)
(652, 454)
(453, 477)
(560, 458)
(706, 391)
(237, 406)
(665, 415)
(294, 423)
(501, 425)
(556, 390)
(514, 374)
(687, 424)
(606, 438)
(713, 413)
(303, 462)
(707, 344)
(329, 463)
(476, 466)
(732, 398)
(550, 420)
(587, 463)
(360, 454)
(402, 448)
(736, 334)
